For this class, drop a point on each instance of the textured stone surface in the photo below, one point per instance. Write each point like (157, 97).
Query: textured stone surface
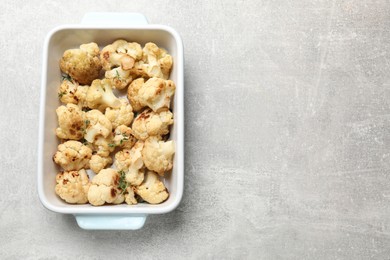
(287, 130)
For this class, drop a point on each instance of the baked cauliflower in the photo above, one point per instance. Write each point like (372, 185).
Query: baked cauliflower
(123, 137)
(82, 64)
(71, 122)
(104, 188)
(132, 94)
(119, 77)
(100, 95)
(72, 156)
(156, 93)
(96, 124)
(130, 161)
(121, 53)
(73, 186)
(150, 123)
(156, 62)
(130, 196)
(72, 92)
(157, 155)
(122, 115)
(98, 163)
(152, 190)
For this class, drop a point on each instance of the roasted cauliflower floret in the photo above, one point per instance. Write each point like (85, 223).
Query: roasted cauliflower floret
(121, 53)
(157, 155)
(96, 124)
(98, 163)
(120, 116)
(72, 92)
(150, 123)
(104, 188)
(71, 122)
(119, 77)
(130, 161)
(132, 94)
(100, 95)
(156, 93)
(72, 156)
(130, 196)
(103, 146)
(124, 137)
(156, 62)
(152, 190)
(82, 64)
(73, 186)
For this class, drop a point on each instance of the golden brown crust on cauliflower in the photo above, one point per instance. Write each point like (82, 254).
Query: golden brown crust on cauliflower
(150, 123)
(100, 95)
(73, 186)
(72, 92)
(130, 161)
(70, 121)
(157, 155)
(121, 53)
(72, 156)
(104, 188)
(120, 116)
(82, 64)
(156, 62)
(97, 124)
(123, 137)
(152, 190)
(156, 93)
(98, 163)
(132, 94)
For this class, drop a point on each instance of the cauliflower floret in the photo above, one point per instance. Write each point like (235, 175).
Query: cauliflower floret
(156, 93)
(121, 53)
(103, 146)
(158, 155)
(71, 122)
(156, 62)
(150, 123)
(120, 116)
(100, 95)
(124, 137)
(104, 188)
(98, 163)
(130, 161)
(130, 196)
(73, 186)
(119, 77)
(96, 124)
(152, 190)
(72, 156)
(82, 64)
(72, 92)
(132, 94)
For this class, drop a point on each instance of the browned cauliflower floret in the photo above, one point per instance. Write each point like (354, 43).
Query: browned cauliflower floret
(100, 95)
(73, 186)
(152, 190)
(82, 64)
(72, 155)
(72, 92)
(124, 137)
(130, 161)
(71, 122)
(104, 188)
(97, 124)
(132, 94)
(98, 163)
(120, 116)
(130, 196)
(150, 123)
(121, 53)
(156, 93)
(157, 155)
(156, 62)
(119, 77)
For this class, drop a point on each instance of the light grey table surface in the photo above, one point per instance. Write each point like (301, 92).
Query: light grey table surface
(287, 133)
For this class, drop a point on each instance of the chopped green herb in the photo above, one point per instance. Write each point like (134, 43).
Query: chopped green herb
(111, 145)
(117, 75)
(61, 94)
(122, 181)
(87, 122)
(65, 77)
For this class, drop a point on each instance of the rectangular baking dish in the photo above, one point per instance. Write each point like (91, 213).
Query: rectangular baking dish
(104, 28)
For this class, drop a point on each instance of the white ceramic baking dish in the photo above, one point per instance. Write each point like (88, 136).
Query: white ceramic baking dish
(104, 28)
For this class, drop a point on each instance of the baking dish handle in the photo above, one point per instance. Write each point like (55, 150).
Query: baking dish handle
(110, 222)
(113, 19)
